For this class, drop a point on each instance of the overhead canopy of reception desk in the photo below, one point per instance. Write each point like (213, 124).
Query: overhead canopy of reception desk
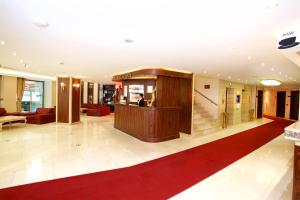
(173, 92)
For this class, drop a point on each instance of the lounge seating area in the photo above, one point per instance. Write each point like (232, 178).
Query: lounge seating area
(41, 116)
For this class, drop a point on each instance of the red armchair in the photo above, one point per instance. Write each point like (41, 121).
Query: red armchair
(3, 112)
(99, 111)
(41, 116)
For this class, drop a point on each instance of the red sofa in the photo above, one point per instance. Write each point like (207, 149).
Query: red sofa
(98, 111)
(3, 112)
(41, 116)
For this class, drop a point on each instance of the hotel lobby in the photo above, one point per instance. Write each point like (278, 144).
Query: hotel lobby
(150, 100)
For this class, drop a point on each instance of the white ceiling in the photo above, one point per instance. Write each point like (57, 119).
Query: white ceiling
(205, 37)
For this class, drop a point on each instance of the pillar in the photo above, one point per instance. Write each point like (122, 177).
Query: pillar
(68, 100)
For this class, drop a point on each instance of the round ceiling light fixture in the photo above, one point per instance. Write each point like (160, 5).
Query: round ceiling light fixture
(270, 82)
(40, 23)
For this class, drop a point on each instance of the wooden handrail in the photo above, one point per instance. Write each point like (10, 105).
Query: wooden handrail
(211, 101)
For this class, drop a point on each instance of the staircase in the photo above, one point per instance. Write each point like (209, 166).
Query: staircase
(203, 122)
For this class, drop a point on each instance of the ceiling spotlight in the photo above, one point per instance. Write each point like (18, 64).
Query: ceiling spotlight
(129, 41)
(272, 69)
(270, 82)
(262, 64)
(21, 61)
(14, 54)
(40, 23)
(279, 73)
(249, 57)
(2, 43)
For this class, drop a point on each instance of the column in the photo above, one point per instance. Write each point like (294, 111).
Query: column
(68, 100)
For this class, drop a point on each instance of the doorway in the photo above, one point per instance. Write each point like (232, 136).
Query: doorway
(294, 105)
(280, 108)
(260, 96)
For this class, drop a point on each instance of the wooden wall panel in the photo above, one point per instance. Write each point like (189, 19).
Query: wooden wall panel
(176, 92)
(75, 100)
(147, 124)
(63, 100)
(296, 181)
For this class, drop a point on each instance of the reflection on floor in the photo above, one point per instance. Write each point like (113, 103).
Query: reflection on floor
(36, 153)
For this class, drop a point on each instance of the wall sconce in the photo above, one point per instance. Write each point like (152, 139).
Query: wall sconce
(76, 85)
(62, 86)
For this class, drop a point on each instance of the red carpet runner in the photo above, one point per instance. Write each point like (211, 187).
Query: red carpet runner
(157, 179)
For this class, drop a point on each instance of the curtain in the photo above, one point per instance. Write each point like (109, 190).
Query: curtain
(20, 91)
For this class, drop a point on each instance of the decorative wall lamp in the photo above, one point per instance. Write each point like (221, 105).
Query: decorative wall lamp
(76, 85)
(62, 86)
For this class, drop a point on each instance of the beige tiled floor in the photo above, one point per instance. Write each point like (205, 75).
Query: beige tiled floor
(42, 152)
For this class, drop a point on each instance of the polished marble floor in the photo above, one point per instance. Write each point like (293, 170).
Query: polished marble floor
(43, 152)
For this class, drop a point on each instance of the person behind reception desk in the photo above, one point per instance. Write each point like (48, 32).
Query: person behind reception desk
(141, 100)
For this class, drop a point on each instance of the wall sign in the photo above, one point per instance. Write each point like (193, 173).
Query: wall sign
(206, 86)
(288, 40)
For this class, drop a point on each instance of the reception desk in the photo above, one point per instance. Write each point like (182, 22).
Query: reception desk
(148, 124)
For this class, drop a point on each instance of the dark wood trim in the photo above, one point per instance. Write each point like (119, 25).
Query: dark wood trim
(151, 72)
(75, 100)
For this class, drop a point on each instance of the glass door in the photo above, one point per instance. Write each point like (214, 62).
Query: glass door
(33, 96)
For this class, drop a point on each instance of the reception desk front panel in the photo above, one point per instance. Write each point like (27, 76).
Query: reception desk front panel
(148, 124)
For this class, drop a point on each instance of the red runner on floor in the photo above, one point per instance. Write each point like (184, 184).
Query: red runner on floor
(161, 178)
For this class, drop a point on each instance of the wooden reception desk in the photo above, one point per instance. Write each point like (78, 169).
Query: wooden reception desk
(148, 124)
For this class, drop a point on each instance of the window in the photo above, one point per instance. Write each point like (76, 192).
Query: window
(33, 96)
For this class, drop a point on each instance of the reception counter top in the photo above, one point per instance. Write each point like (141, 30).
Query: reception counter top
(149, 124)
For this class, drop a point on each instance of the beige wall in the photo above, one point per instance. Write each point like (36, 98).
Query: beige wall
(9, 93)
(54, 93)
(270, 101)
(212, 93)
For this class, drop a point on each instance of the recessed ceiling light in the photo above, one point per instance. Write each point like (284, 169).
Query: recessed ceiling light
(21, 61)
(270, 82)
(249, 57)
(272, 69)
(279, 73)
(262, 64)
(128, 40)
(14, 54)
(2, 43)
(40, 23)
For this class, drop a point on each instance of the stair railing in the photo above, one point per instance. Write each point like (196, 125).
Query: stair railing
(207, 98)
